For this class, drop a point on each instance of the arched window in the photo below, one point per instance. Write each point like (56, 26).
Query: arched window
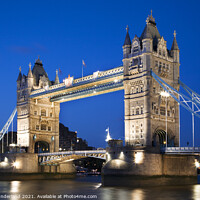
(137, 111)
(141, 88)
(132, 111)
(141, 110)
(132, 90)
(43, 112)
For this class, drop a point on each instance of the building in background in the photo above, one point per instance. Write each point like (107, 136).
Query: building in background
(68, 140)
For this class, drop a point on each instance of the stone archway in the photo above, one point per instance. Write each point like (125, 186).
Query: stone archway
(41, 147)
(159, 138)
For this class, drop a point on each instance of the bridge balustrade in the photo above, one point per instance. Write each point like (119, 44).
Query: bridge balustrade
(180, 149)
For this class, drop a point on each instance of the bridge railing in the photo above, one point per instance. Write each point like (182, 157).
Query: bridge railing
(85, 79)
(180, 149)
(72, 152)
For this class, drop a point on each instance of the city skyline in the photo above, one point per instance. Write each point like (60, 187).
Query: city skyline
(90, 32)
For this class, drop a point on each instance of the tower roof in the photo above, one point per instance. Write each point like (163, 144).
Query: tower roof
(174, 44)
(57, 81)
(150, 30)
(20, 75)
(39, 71)
(30, 74)
(127, 38)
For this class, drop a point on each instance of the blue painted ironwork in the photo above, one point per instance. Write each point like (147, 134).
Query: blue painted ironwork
(7, 125)
(188, 102)
(89, 90)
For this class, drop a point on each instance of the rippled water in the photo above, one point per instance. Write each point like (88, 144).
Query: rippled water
(90, 186)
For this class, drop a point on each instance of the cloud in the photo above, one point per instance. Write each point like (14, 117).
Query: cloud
(32, 49)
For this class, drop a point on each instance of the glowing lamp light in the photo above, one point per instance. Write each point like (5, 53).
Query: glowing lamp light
(139, 156)
(121, 156)
(197, 164)
(115, 80)
(164, 94)
(16, 164)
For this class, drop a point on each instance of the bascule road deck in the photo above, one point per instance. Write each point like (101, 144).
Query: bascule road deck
(98, 83)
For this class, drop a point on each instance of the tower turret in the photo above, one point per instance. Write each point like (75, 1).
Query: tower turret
(57, 81)
(175, 50)
(30, 78)
(19, 79)
(127, 44)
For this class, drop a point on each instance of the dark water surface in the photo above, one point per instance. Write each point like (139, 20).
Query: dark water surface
(89, 187)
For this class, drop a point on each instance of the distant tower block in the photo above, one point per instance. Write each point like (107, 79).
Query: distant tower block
(37, 120)
(145, 119)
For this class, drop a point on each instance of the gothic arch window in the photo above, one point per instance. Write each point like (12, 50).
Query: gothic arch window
(135, 48)
(132, 111)
(43, 112)
(142, 110)
(163, 53)
(141, 88)
(137, 89)
(132, 90)
(137, 111)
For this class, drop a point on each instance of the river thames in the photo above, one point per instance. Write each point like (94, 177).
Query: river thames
(89, 187)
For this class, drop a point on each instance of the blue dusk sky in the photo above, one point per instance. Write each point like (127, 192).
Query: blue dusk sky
(63, 32)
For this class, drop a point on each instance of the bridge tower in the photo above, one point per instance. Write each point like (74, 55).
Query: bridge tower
(37, 119)
(145, 108)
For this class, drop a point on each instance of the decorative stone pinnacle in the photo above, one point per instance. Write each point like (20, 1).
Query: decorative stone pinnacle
(38, 57)
(30, 65)
(151, 13)
(174, 33)
(20, 68)
(56, 72)
(127, 28)
(69, 76)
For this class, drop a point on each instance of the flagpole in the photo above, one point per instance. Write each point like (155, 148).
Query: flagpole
(82, 70)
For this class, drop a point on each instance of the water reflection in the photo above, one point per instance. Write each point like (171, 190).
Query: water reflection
(14, 186)
(196, 192)
(92, 186)
(137, 194)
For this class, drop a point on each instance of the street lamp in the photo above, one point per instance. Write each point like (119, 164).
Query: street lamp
(166, 95)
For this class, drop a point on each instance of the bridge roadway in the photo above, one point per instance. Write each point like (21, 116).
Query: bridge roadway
(66, 156)
(71, 89)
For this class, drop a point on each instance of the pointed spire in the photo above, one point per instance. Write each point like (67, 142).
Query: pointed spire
(30, 74)
(127, 39)
(174, 44)
(20, 74)
(57, 81)
(38, 61)
(150, 19)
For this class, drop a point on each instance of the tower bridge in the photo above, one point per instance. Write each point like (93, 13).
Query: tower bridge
(149, 68)
(151, 82)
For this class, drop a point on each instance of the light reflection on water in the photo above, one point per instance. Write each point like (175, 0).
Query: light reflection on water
(91, 185)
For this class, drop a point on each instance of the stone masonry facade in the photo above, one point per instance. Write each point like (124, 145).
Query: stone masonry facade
(145, 117)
